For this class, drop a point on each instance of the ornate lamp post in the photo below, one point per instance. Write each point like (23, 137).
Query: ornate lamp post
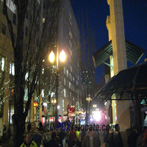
(59, 57)
(53, 101)
(88, 99)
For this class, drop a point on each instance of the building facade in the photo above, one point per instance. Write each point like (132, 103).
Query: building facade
(70, 73)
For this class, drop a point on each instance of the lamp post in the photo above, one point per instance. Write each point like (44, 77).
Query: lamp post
(53, 101)
(88, 99)
(59, 57)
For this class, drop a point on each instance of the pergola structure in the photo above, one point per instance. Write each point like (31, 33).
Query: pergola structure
(134, 53)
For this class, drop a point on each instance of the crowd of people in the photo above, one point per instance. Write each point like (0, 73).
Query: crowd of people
(110, 137)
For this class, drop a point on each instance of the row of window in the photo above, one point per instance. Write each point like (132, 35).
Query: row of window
(11, 66)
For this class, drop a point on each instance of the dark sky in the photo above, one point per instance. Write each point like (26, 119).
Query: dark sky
(135, 21)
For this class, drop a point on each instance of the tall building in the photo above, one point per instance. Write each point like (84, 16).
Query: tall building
(70, 78)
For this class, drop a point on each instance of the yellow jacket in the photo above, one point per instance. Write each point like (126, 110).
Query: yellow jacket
(33, 144)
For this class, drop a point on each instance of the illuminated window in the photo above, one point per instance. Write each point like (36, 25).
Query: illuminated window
(2, 64)
(71, 68)
(63, 103)
(26, 76)
(42, 92)
(69, 85)
(26, 94)
(42, 70)
(43, 20)
(12, 69)
(67, 72)
(64, 92)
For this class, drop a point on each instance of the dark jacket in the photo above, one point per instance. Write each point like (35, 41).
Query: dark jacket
(52, 143)
(117, 139)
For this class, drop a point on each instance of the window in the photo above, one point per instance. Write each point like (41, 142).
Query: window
(26, 76)
(2, 63)
(69, 85)
(26, 94)
(42, 70)
(12, 69)
(67, 72)
(63, 103)
(14, 19)
(64, 81)
(42, 92)
(3, 29)
(71, 68)
(64, 92)
(43, 20)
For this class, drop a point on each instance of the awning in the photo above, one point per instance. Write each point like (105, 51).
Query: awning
(127, 81)
(134, 53)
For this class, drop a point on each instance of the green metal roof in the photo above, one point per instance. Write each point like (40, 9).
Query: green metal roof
(134, 53)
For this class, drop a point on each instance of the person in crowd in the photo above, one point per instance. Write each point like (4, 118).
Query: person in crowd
(144, 140)
(58, 141)
(106, 134)
(29, 127)
(61, 134)
(40, 126)
(37, 137)
(117, 137)
(111, 138)
(83, 133)
(91, 139)
(86, 140)
(29, 142)
(72, 137)
(79, 141)
(140, 137)
(53, 141)
(132, 138)
(108, 137)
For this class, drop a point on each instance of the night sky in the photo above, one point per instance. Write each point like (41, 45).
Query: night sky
(135, 22)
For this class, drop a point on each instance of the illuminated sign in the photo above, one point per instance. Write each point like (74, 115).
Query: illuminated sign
(52, 119)
(35, 104)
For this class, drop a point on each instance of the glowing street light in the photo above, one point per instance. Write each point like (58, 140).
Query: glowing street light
(53, 101)
(62, 56)
(94, 105)
(52, 58)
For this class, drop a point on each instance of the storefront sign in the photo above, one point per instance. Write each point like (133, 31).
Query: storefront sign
(35, 104)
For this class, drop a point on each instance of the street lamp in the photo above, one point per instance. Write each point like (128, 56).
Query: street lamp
(88, 99)
(53, 101)
(94, 105)
(58, 57)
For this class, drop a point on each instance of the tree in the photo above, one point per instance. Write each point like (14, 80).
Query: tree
(33, 41)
